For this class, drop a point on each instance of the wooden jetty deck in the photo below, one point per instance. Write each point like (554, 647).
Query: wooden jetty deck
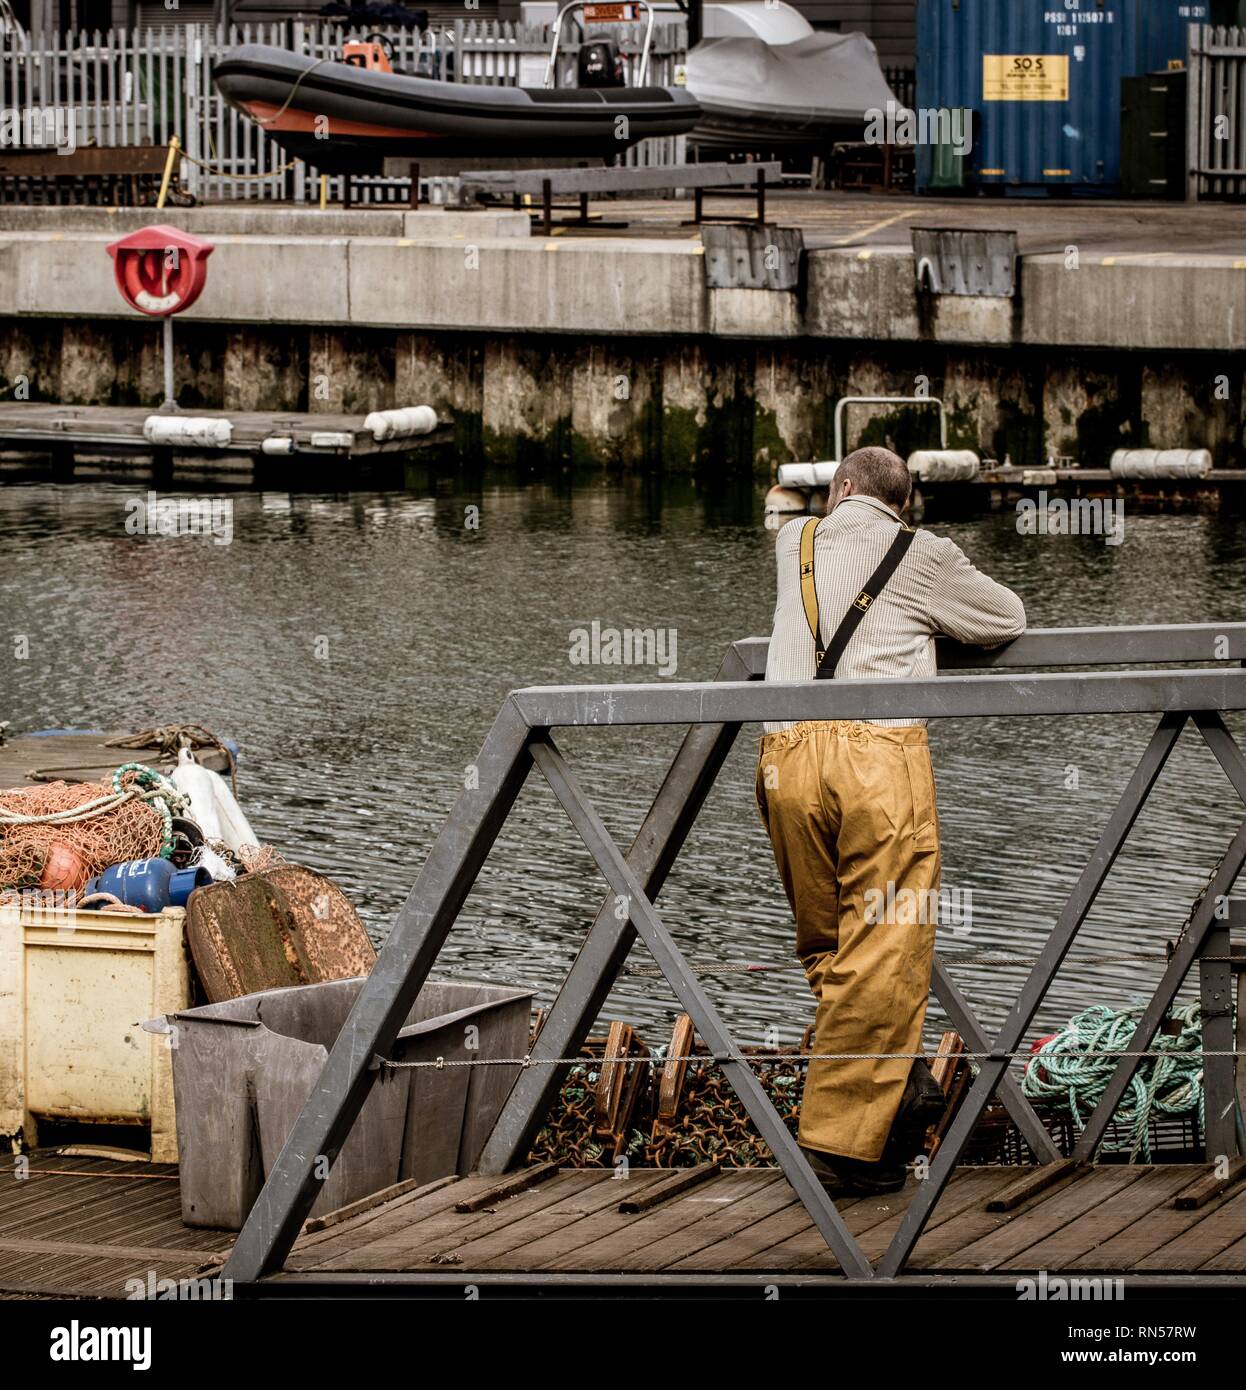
(83, 757)
(81, 1227)
(748, 1223)
(67, 431)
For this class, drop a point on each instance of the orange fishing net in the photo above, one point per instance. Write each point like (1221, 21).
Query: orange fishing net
(64, 854)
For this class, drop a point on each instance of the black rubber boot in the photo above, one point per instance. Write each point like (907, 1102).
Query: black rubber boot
(922, 1105)
(853, 1177)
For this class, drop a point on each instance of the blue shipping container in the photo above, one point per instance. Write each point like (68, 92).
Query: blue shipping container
(1043, 79)
(1163, 41)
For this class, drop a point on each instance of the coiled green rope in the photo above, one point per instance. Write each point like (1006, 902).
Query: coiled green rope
(163, 797)
(1170, 1084)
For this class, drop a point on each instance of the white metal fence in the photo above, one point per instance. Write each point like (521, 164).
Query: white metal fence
(1216, 112)
(144, 86)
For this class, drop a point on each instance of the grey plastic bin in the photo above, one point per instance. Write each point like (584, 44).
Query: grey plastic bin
(243, 1068)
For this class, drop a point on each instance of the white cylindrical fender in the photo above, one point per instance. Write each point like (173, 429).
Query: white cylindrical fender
(944, 465)
(788, 501)
(401, 424)
(183, 430)
(819, 474)
(212, 805)
(1161, 463)
(277, 444)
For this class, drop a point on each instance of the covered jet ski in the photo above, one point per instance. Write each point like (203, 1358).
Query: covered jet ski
(349, 116)
(785, 96)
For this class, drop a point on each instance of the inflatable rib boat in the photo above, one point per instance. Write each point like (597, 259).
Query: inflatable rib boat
(348, 117)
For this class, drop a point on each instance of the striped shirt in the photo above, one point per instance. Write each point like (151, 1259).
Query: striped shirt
(934, 590)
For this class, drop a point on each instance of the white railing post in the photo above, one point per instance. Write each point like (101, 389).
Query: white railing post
(1193, 124)
(186, 65)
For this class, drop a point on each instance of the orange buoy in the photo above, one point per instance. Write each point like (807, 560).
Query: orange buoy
(64, 869)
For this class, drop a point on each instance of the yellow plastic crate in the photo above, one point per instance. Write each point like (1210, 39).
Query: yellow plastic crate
(74, 988)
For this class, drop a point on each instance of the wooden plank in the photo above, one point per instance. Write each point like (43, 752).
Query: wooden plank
(440, 1240)
(1209, 1186)
(413, 1244)
(718, 1223)
(23, 1199)
(867, 1217)
(582, 1231)
(111, 1206)
(968, 1187)
(86, 160)
(739, 1249)
(673, 1186)
(1045, 1214)
(377, 1199)
(963, 1229)
(1031, 1183)
(137, 1223)
(508, 1248)
(76, 1207)
(107, 1278)
(658, 177)
(967, 1190)
(374, 1224)
(1094, 1228)
(754, 1247)
(606, 1252)
(1213, 1241)
(1124, 1250)
(39, 425)
(507, 1187)
(807, 1248)
(64, 1248)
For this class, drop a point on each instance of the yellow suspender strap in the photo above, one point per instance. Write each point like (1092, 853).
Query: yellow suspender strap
(808, 589)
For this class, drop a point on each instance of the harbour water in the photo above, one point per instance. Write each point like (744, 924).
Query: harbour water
(358, 646)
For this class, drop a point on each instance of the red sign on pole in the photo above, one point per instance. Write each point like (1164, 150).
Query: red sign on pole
(609, 14)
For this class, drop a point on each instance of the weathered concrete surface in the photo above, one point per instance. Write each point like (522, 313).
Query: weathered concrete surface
(541, 286)
(260, 219)
(686, 404)
(1139, 301)
(1194, 303)
(640, 287)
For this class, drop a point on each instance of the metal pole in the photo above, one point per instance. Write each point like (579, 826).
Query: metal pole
(1184, 955)
(170, 401)
(1216, 999)
(696, 27)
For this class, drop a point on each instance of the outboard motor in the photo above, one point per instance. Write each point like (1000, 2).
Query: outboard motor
(599, 65)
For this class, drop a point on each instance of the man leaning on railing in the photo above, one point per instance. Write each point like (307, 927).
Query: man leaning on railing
(850, 807)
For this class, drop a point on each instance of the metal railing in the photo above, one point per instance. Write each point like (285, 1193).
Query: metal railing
(1216, 112)
(973, 683)
(143, 86)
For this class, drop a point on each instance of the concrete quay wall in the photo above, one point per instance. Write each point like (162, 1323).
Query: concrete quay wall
(615, 351)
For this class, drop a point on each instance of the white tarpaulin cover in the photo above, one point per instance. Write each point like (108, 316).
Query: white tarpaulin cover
(820, 79)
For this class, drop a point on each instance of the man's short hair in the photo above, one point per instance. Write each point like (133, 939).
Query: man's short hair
(878, 473)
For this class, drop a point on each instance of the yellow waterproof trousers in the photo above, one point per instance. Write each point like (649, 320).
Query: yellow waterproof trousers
(850, 810)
